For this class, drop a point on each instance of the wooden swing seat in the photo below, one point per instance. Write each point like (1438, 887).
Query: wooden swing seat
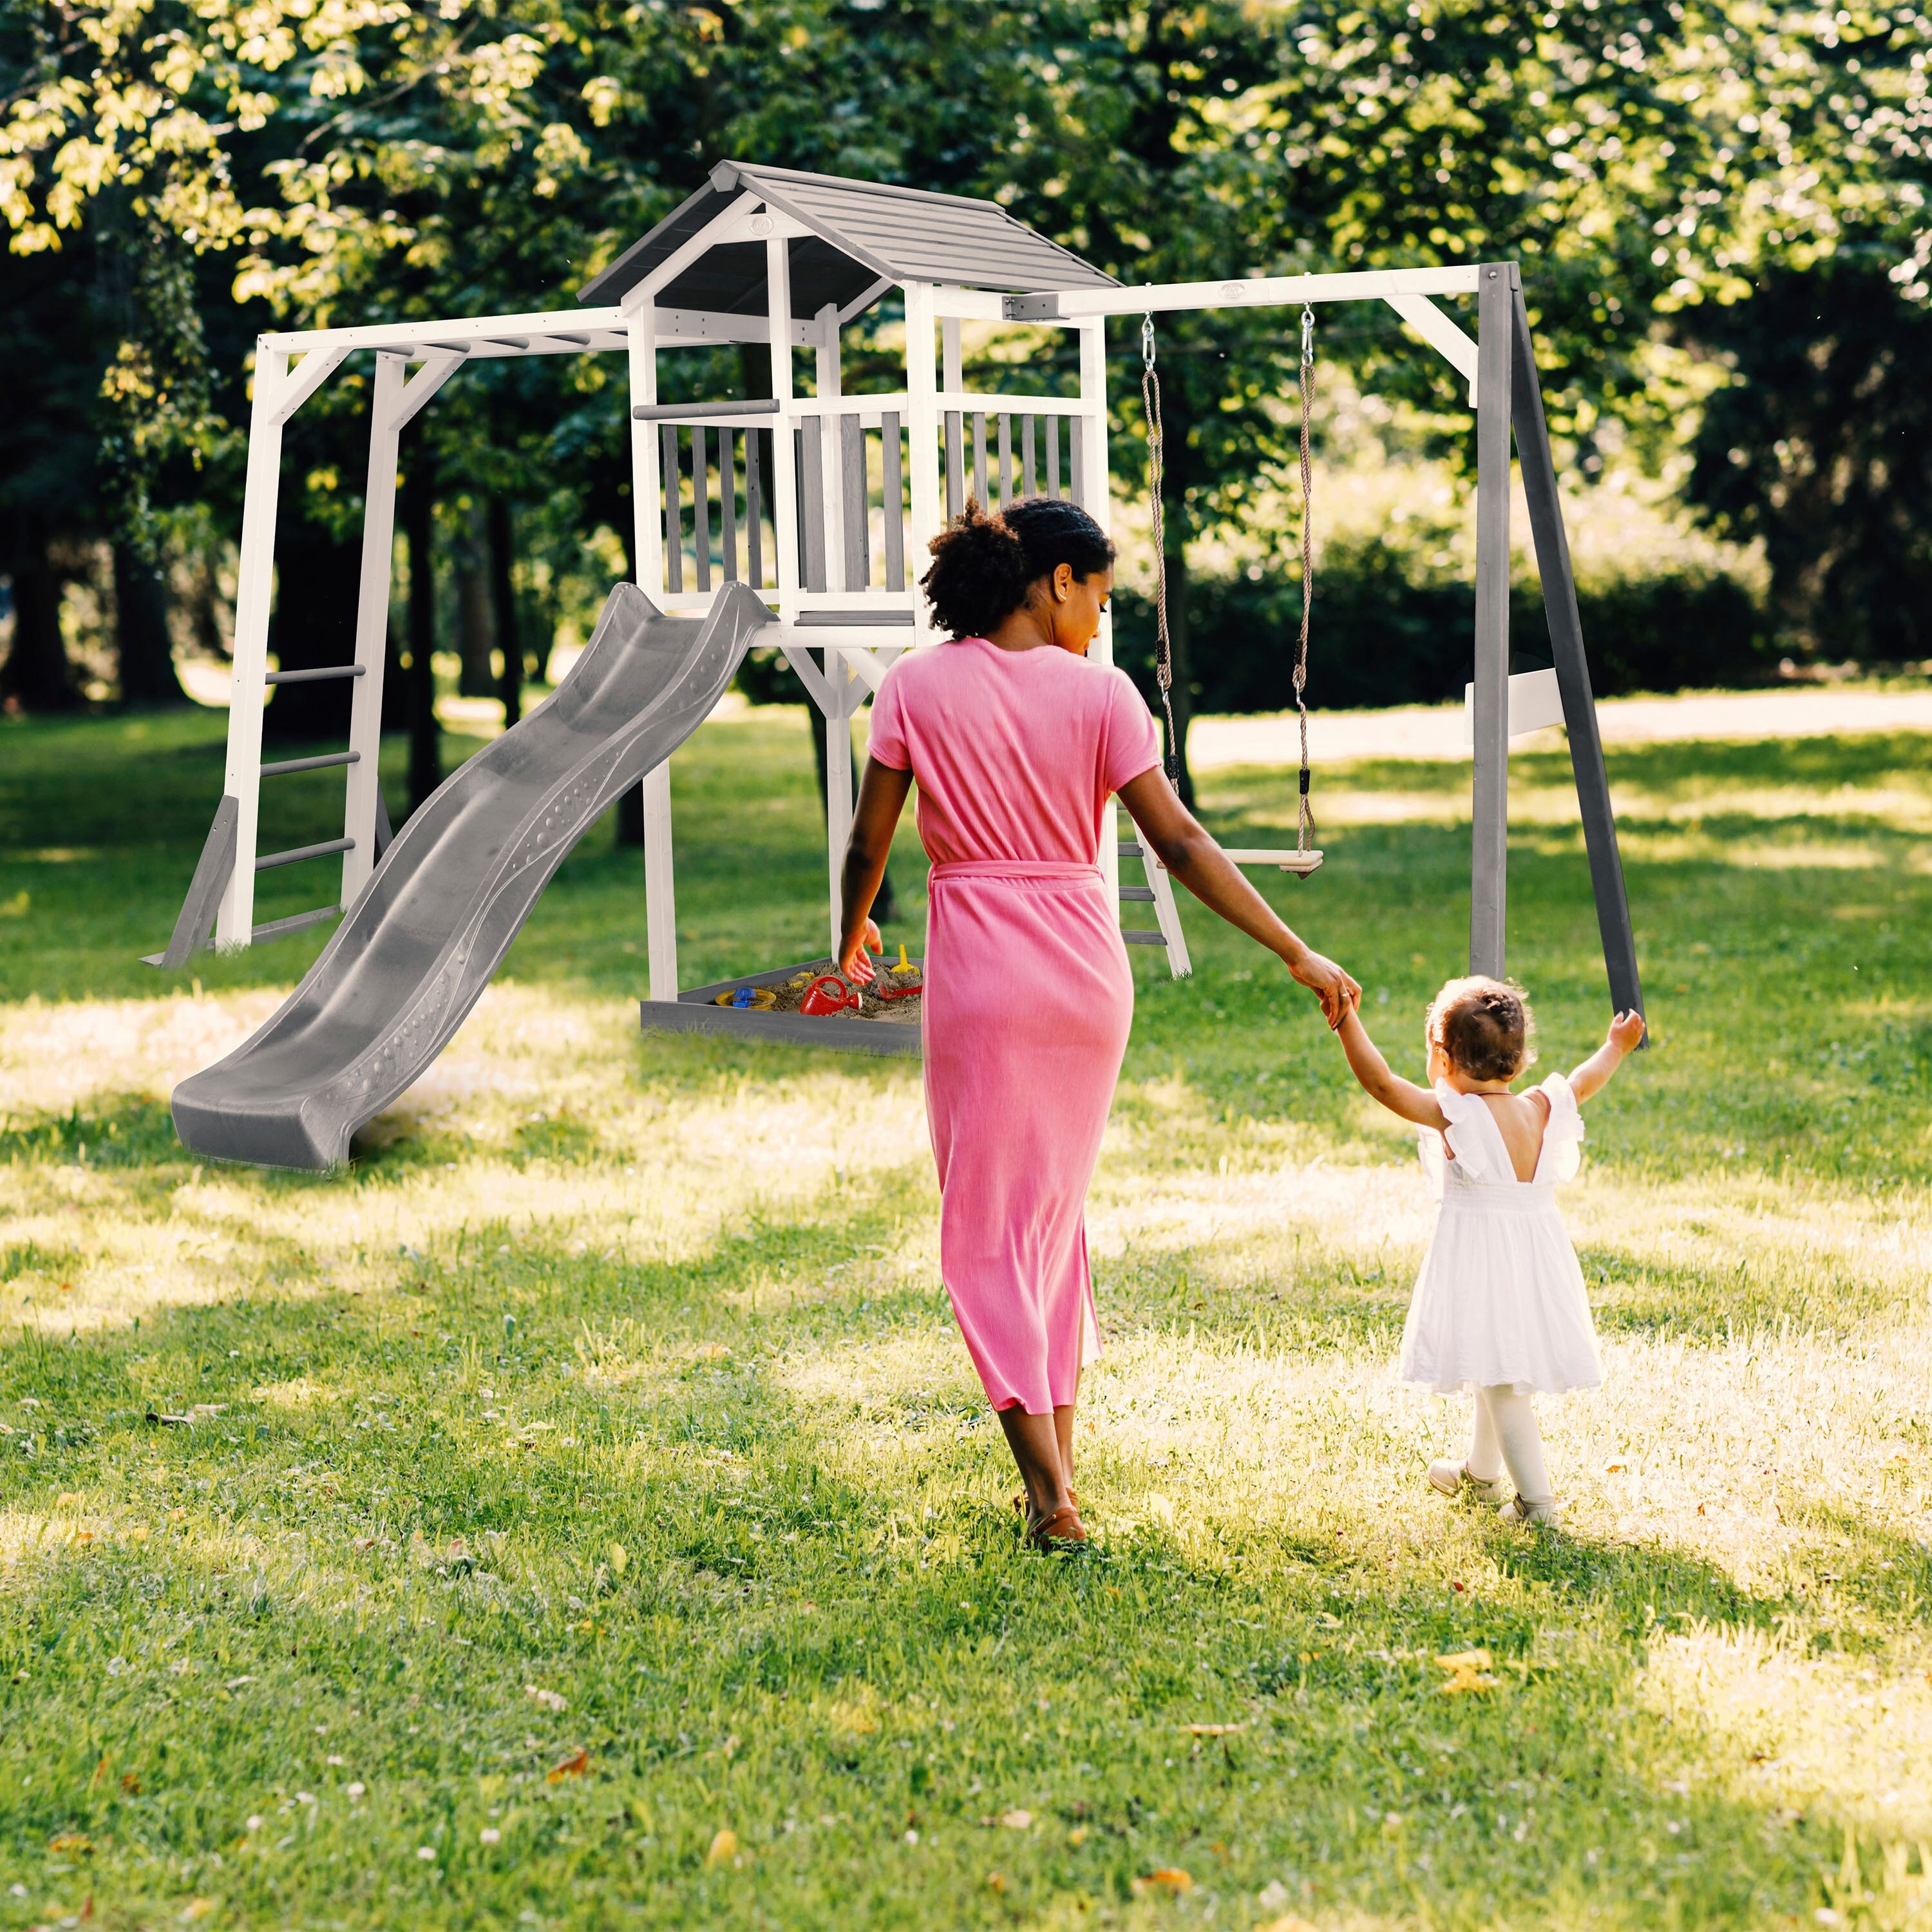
(1300, 862)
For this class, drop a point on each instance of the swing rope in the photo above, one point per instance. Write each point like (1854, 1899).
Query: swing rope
(1163, 645)
(1305, 827)
(1163, 655)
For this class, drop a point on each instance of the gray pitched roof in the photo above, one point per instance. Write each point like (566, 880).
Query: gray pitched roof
(863, 232)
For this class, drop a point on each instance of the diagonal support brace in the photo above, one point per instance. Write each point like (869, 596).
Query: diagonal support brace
(194, 929)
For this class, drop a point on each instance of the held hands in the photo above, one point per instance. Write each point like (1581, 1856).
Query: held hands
(858, 969)
(1336, 988)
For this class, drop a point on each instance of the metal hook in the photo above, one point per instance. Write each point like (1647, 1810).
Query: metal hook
(1307, 337)
(1147, 342)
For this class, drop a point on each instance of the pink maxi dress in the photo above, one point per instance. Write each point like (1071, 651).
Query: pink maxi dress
(1029, 997)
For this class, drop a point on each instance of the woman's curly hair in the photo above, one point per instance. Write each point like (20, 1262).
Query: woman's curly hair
(1485, 1027)
(984, 567)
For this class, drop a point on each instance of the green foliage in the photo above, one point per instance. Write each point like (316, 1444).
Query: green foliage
(1819, 447)
(1390, 627)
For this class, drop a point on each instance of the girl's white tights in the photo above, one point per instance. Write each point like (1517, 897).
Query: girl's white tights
(1506, 1435)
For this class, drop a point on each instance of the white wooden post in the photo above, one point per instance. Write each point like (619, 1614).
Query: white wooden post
(831, 449)
(254, 595)
(784, 474)
(372, 626)
(646, 460)
(923, 439)
(647, 538)
(845, 694)
(1094, 493)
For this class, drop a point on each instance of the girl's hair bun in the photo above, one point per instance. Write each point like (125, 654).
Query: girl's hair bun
(984, 567)
(1484, 1026)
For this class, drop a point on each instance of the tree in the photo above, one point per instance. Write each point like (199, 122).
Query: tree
(1819, 446)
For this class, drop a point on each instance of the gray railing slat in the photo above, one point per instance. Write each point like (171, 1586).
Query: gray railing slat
(1005, 458)
(1053, 456)
(1076, 445)
(754, 509)
(1031, 480)
(980, 459)
(674, 516)
(894, 535)
(858, 519)
(811, 500)
(955, 463)
(700, 504)
(727, 499)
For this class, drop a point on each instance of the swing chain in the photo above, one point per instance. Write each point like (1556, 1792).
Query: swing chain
(1163, 653)
(1306, 821)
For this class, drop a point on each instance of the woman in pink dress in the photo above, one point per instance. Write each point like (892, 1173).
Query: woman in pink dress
(1016, 741)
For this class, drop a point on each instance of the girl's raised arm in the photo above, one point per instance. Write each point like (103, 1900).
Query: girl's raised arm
(1594, 1075)
(1403, 1098)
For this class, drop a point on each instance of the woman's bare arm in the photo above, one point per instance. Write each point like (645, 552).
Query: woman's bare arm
(1400, 1097)
(1181, 844)
(882, 797)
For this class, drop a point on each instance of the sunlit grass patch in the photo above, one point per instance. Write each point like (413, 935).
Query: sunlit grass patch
(589, 1490)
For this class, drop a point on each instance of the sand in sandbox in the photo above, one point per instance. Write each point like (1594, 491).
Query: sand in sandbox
(890, 1012)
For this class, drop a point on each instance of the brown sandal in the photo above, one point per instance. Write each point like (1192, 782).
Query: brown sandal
(1020, 1500)
(1062, 1530)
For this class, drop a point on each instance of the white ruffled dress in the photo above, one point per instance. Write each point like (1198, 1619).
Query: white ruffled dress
(1500, 1298)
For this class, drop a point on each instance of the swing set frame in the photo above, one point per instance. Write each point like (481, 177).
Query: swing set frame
(1500, 365)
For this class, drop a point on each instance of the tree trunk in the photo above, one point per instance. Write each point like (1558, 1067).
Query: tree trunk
(503, 595)
(1175, 475)
(425, 743)
(141, 629)
(475, 624)
(36, 676)
(313, 625)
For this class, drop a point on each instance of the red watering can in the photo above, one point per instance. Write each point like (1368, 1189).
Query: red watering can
(828, 994)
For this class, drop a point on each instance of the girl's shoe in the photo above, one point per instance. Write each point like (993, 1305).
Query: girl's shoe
(1020, 1500)
(1533, 1516)
(1454, 1479)
(1062, 1530)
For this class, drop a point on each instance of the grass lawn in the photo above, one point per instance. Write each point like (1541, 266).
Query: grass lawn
(585, 1515)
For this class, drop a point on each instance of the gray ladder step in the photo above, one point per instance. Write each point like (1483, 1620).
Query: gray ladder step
(1145, 893)
(1135, 937)
(316, 676)
(1129, 849)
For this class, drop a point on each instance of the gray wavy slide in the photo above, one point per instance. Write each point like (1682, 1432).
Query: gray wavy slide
(401, 972)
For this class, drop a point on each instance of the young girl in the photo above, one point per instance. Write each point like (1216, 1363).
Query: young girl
(1499, 1308)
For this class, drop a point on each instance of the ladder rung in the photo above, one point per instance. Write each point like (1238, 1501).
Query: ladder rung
(296, 853)
(311, 764)
(316, 676)
(280, 929)
(1145, 893)
(1134, 937)
(1129, 849)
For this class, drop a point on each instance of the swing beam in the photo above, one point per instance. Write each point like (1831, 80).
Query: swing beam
(1499, 363)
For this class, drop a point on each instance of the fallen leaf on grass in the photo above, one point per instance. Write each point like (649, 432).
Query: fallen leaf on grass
(995, 1882)
(131, 1784)
(195, 1908)
(575, 1765)
(1016, 1821)
(1212, 1730)
(724, 1848)
(1468, 1670)
(1169, 1879)
(551, 1700)
(71, 1841)
(619, 1558)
